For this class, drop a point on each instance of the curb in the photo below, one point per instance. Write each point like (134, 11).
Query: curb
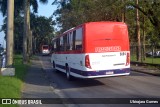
(154, 74)
(140, 63)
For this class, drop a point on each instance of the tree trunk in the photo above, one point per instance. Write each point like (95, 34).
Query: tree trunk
(29, 30)
(123, 12)
(138, 34)
(10, 34)
(30, 43)
(144, 39)
(26, 30)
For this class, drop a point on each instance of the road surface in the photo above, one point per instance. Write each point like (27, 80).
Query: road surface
(137, 85)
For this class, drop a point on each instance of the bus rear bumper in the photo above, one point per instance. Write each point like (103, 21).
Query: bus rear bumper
(99, 74)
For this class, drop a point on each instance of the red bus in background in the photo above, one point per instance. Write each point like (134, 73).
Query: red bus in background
(92, 50)
(45, 50)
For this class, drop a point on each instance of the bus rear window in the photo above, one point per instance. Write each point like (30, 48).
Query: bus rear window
(45, 47)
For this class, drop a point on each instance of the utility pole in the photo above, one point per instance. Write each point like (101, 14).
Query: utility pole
(10, 34)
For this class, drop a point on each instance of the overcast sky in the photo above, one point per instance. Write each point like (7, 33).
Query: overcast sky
(43, 10)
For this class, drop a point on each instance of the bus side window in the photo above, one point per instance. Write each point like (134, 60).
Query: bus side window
(61, 44)
(71, 41)
(78, 40)
(68, 41)
(54, 46)
(65, 42)
(58, 45)
(74, 39)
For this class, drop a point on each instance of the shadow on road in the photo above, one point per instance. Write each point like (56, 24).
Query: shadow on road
(60, 78)
(35, 75)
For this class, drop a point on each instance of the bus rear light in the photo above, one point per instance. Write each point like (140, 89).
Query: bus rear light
(87, 61)
(127, 59)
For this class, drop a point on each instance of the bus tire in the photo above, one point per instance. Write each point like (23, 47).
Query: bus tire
(69, 77)
(54, 67)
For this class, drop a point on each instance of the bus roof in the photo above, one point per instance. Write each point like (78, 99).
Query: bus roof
(100, 22)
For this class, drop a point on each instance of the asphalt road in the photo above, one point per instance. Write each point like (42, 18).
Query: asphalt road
(137, 85)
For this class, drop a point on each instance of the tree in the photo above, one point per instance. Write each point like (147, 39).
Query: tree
(10, 4)
(20, 4)
(74, 12)
(151, 11)
(138, 34)
(123, 12)
(10, 36)
(27, 33)
(42, 29)
(18, 31)
(26, 30)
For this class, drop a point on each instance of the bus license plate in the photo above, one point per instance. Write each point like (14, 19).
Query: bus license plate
(109, 73)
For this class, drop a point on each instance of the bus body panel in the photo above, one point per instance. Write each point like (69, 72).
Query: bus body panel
(106, 46)
(77, 66)
(106, 34)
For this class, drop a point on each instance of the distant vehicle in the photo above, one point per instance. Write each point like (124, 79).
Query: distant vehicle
(92, 50)
(153, 54)
(149, 54)
(157, 53)
(45, 50)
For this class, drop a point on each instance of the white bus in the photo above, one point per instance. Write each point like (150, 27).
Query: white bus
(45, 50)
(92, 50)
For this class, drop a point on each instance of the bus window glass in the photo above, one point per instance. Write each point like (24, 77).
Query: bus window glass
(68, 44)
(58, 44)
(55, 46)
(71, 41)
(74, 39)
(45, 47)
(61, 44)
(78, 40)
(65, 42)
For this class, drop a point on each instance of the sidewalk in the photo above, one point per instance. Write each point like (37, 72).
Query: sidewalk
(36, 85)
(144, 69)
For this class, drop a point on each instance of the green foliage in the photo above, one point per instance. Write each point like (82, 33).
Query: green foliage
(19, 21)
(150, 60)
(151, 9)
(42, 29)
(41, 26)
(74, 12)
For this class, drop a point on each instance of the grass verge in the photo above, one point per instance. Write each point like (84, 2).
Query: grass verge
(148, 60)
(10, 87)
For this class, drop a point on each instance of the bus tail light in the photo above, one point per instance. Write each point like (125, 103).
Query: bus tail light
(127, 59)
(87, 61)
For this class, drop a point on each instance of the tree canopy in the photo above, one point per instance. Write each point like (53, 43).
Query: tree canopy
(74, 12)
(71, 13)
(41, 27)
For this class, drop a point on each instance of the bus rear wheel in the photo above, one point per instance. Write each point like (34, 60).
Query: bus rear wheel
(54, 67)
(69, 77)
